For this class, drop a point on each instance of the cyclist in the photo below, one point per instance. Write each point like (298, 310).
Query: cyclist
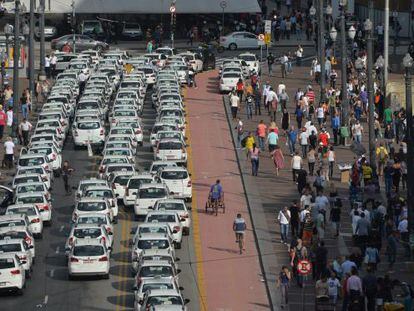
(216, 191)
(239, 226)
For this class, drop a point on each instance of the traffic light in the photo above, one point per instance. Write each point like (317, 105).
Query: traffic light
(69, 18)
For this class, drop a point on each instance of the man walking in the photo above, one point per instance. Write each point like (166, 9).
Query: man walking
(270, 62)
(296, 164)
(24, 129)
(66, 172)
(284, 219)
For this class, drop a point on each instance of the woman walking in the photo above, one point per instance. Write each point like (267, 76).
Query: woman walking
(254, 157)
(278, 159)
(331, 161)
(311, 160)
(283, 283)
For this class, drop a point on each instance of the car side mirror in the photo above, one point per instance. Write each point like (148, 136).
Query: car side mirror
(177, 259)
(110, 233)
(31, 246)
(23, 262)
(178, 271)
(186, 301)
(150, 207)
(174, 231)
(189, 208)
(132, 231)
(181, 288)
(182, 219)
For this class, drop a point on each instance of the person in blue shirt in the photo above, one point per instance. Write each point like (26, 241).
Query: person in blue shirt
(336, 123)
(292, 138)
(216, 190)
(239, 227)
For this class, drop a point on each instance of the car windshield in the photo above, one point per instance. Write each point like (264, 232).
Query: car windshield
(88, 105)
(88, 125)
(12, 247)
(170, 145)
(147, 287)
(31, 161)
(124, 113)
(30, 188)
(29, 211)
(122, 168)
(118, 152)
(13, 234)
(135, 183)
(162, 218)
(148, 244)
(158, 229)
(171, 206)
(152, 193)
(91, 206)
(114, 160)
(31, 170)
(231, 75)
(30, 200)
(88, 250)
(122, 131)
(169, 135)
(174, 175)
(41, 150)
(87, 232)
(248, 58)
(7, 263)
(11, 223)
(92, 220)
(154, 271)
(119, 144)
(164, 300)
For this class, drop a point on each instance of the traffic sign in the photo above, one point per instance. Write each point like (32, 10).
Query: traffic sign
(223, 4)
(172, 9)
(268, 26)
(304, 267)
(267, 38)
(261, 37)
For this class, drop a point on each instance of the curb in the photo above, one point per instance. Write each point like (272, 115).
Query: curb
(271, 293)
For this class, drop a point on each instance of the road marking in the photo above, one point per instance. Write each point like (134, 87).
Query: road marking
(52, 273)
(57, 250)
(61, 228)
(46, 300)
(196, 224)
(120, 296)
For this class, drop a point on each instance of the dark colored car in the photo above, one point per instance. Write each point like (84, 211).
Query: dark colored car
(82, 43)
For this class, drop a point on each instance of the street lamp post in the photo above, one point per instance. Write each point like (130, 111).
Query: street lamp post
(31, 51)
(223, 5)
(16, 57)
(408, 64)
(370, 88)
(42, 73)
(344, 92)
(8, 31)
(312, 12)
(328, 11)
(321, 34)
(333, 33)
(173, 20)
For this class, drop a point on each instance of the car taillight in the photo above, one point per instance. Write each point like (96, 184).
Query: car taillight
(45, 178)
(108, 229)
(101, 169)
(76, 133)
(28, 240)
(104, 258)
(22, 257)
(177, 228)
(46, 207)
(101, 132)
(70, 242)
(47, 167)
(73, 259)
(36, 220)
(221, 81)
(137, 131)
(103, 239)
(53, 156)
(59, 130)
(189, 183)
(15, 272)
(185, 216)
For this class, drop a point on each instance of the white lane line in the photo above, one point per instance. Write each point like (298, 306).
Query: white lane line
(57, 250)
(52, 273)
(61, 228)
(46, 300)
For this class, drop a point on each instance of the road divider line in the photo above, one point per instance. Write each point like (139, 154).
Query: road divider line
(120, 302)
(61, 228)
(195, 219)
(57, 250)
(45, 301)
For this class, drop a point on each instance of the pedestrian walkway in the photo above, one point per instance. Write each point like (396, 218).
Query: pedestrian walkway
(232, 281)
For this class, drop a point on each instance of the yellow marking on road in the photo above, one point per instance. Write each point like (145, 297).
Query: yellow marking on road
(123, 250)
(195, 220)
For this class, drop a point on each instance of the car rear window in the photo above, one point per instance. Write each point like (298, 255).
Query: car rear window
(87, 232)
(169, 145)
(12, 247)
(137, 182)
(157, 244)
(164, 300)
(174, 175)
(91, 206)
(154, 271)
(248, 58)
(92, 220)
(21, 180)
(31, 161)
(171, 206)
(30, 200)
(152, 193)
(147, 287)
(157, 229)
(88, 125)
(88, 250)
(30, 188)
(7, 263)
(231, 75)
(29, 211)
(162, 218)
(98, 193)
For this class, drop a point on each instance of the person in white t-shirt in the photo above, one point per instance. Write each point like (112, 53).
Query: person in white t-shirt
(234, 104)
(47, 66)
(284, 219)
(357, 131)
(53, 61)
(10, 117)
(9, 153)
(296, 164)
(333, 286)
(304, 141)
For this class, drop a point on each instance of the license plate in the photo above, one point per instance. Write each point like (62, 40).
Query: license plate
(170, 157)
(88, 261)
(3, 283)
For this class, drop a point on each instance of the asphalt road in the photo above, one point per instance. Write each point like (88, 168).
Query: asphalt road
(50, 289)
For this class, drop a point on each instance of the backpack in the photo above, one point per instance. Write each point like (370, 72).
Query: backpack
(243, 141)
(239, 86)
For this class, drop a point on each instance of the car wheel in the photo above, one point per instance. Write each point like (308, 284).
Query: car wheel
(19, 291)
(178, 245)
(232, 46)
(106, 276)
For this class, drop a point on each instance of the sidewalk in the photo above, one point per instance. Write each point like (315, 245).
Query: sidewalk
(268, 193)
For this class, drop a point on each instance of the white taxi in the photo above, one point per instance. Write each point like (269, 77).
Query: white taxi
(42, 203)
(170, 218)
(91, 219)
(133, 185)
(178, 182)
(171, 150)
(85, 231)
(103, 192)
(20, 248)
(178, 206)
(12, 273)
(92, 205)
(147, 195)
(88, 257)
(32, 213)
(150, 285)
(91, 131)
(164, 299)
(151, 241)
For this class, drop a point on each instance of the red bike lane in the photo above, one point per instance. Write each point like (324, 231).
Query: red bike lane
(230, 281)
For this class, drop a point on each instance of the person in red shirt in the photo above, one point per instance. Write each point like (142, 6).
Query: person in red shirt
(3, 121)
(324, 138)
